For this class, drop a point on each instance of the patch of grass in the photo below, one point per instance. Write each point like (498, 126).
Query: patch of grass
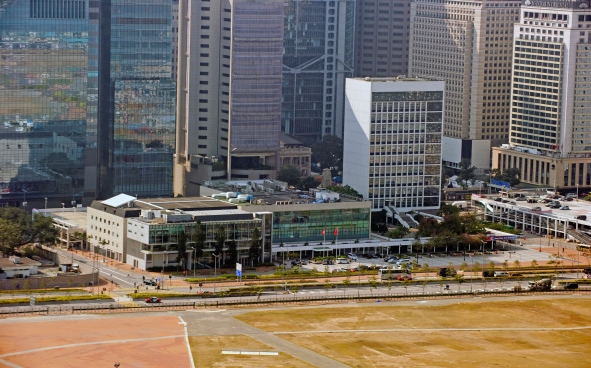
(160, 295)
(522, 349)
(565, 313)
(207, 352)
(441, 345)
(61, 298)
(42, 291)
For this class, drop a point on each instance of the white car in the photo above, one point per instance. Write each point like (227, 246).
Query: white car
(352, 256)
(564, 208)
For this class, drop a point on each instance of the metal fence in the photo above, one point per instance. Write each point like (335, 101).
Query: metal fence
(255, 302)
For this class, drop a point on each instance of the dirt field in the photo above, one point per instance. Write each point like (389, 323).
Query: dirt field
(93, 341)
(207, 353)
(502, 334)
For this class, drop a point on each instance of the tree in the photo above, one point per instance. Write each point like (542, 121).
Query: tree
(307, 183)
(466, 172)
(254, 250)
(345, 189)
(233, 252)
(39, 228)
(220, 240)
(181, 256)
(328, 152)
(399, 232)
(10, 236)
(289, 174)
(199, 236)
(459, 279)
(511, 175)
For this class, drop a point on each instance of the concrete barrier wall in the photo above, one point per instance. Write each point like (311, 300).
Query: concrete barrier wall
(48, 282)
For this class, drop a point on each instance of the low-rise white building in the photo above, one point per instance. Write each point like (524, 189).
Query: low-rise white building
(15, 267)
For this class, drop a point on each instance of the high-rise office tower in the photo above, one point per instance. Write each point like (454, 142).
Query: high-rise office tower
(318, 55)
(381, 43)
(229, 95)
(393, 129)
(550, 135)
(43, 72)
(468, 44)
(131, 99)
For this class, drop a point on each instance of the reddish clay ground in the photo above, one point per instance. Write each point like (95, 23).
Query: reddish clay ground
(94, 341)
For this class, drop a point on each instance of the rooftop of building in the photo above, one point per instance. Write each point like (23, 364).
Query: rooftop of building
(74, 217)
(182, 203)
(577, 207)
(400, 78)
(263, 192)
(8, 262)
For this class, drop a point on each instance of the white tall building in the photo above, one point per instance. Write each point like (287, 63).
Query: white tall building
(467, 44)
(392, 141)
(550, 134)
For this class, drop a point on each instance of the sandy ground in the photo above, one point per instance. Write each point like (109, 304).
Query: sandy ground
(93, 341)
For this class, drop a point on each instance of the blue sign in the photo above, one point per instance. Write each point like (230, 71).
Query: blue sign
(238, 273)
(500, 183)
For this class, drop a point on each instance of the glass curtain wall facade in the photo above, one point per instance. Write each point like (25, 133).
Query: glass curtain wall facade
(255, 114)
(307, 226)
(165, 236)
(43, 66)
(318, 56)
(133, 125)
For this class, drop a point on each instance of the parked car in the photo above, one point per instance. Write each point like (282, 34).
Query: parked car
(568, 199)
(153, 299)
(536, 209)
(564, 208)
(365, 255)
(342, 261)
(352, 256)
(327, 262)
(376, 255)
(521, 199)
(498, 199)
(581, 217)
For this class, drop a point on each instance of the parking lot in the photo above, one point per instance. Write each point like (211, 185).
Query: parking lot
(524, 254)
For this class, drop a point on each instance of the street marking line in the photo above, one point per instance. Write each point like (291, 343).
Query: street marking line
(88, 344)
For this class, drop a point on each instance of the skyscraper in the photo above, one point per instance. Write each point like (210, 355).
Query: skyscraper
(43, 100)
(550, 136)
(131, 115)
(229, 95)
(467, 43)
(382, 30)
(393, 129)
(318, 56)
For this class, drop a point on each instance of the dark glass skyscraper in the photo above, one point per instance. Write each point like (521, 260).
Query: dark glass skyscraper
(43, 69)
(319, 36)
(132, 116)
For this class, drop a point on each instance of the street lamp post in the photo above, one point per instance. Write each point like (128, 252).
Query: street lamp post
(358, 277)
(194, 255)
(282, 266)
(472, 278)
(215, 271)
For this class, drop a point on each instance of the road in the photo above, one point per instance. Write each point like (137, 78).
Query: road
(112, 274)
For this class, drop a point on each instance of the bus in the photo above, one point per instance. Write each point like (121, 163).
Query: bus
(584, 249)
(394, 274)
